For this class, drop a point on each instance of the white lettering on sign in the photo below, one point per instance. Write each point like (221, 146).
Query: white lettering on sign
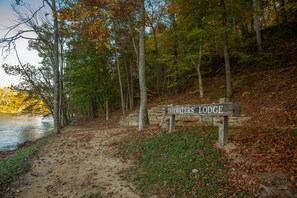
(210, 109)
(220, 109)
(207, 109)
(181, 110)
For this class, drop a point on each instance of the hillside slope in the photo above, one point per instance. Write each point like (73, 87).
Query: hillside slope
(265, 85)
(263, 152)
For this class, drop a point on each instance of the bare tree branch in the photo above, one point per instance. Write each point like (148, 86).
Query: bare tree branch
(23, 21)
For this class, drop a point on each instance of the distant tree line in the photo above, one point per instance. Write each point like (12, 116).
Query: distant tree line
(20, 103)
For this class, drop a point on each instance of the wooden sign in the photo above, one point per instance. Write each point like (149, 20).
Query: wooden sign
(222, 109)
(227, 109)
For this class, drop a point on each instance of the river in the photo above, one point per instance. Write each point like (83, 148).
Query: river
(15, 129)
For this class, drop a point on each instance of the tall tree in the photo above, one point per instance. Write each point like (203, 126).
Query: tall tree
(226, 52)
(155, 12)
(143, 114)
(103, 23)
(29, 21)
(56, 69)
(257, 26)
(198, 68)
(119, 74)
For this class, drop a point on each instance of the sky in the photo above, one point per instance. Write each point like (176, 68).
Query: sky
(7, 18)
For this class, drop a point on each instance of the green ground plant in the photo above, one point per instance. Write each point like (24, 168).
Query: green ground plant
(183, 163)
(16, 164)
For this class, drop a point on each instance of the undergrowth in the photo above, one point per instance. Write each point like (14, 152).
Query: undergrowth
(182, 164)
(15, 165)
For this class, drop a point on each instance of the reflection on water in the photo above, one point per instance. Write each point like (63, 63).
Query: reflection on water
(15, 130)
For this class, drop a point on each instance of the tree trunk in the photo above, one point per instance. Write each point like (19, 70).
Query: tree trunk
(92, 113)
(132, 87)
(246, 29)
(234, 25)
(63, 109)
(276, 13)
(143, 118)
(134, 44)
(226, 53)
(126, 94)
(120, 79)
(158, 69)
(56, 70)
(106, 108)
(199, 70)
(257, 26)
(252, 24)
(131, 68)
(284, 14)
(243, 32)
(128, 101)
(175, 54)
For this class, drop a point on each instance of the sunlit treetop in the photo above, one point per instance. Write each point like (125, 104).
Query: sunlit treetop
(89, 18)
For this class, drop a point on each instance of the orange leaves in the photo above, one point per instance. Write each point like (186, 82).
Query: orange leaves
(66, 14)
(90, 18)
(76, 13)
(172, 8)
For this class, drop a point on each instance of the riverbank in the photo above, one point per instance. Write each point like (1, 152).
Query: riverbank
(20, 147)
(14, 163)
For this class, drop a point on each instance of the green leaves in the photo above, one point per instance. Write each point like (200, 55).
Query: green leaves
(89, 75)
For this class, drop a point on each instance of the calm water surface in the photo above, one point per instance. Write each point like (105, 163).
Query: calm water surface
(15, 130)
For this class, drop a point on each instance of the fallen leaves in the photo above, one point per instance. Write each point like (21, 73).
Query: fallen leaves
(264, 151)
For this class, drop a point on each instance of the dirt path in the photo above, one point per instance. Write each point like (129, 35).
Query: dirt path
(80, 162)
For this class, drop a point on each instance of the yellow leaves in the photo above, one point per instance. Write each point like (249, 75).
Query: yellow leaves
(86, 14)
(172, 8)
(17, 102)
(245, 93)
(76, 6)
(77, 13)
(98, 45)
(92, 19)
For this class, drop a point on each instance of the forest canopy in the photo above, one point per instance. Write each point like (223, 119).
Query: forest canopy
(103, 55)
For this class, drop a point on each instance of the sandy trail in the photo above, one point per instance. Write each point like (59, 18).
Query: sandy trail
(80, 162)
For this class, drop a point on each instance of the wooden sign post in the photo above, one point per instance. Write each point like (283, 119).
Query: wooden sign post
(222, 109)
(223, 126)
